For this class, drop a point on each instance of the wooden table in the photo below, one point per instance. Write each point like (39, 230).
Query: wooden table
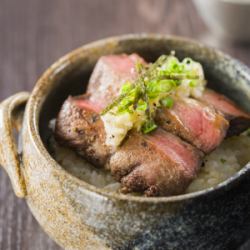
(34, 33)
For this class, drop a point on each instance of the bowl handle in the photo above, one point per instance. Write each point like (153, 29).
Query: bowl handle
(11, 116)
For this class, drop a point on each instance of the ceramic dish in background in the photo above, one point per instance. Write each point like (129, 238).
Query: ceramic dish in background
(78, 215)
(227, 19)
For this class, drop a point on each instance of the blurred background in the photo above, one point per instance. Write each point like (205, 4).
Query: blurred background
(35, 33)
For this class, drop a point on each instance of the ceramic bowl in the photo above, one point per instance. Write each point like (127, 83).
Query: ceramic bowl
(78, 215)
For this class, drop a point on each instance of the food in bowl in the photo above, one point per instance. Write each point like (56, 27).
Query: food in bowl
(151, 125)
(85, 216)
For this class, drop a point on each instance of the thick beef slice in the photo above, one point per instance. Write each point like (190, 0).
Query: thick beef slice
(157, 165)
(239, 119)
(195, 122)
(79, 126)
(109, 74)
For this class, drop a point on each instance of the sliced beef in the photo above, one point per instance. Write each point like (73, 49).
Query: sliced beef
(109, 74)
(78, 127)
(191, 120)
(195, 122)
(239, 119)
(158, 164)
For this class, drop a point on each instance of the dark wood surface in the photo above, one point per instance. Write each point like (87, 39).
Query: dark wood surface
(34, 33)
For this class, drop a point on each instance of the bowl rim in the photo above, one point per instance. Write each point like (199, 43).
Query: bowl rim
(37, 97)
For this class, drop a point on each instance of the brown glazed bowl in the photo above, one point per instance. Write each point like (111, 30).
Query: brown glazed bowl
(78, 215)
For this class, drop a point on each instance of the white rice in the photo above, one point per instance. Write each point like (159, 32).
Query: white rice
(221, 164)
(224, 162)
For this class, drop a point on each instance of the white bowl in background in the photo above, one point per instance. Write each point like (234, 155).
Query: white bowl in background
(227, 19)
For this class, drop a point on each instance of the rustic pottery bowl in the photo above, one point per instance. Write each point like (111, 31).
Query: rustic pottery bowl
(79, 216)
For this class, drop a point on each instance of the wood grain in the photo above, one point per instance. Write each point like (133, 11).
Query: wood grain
(35, 33)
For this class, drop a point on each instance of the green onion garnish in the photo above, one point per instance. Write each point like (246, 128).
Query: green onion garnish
(148, 126)
(167, 102)
(153, 88)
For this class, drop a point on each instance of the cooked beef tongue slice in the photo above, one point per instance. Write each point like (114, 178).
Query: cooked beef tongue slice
(79, 126)
(195, 122)
(109, 74)
(200, 125)
(239, 119)
(158, 164)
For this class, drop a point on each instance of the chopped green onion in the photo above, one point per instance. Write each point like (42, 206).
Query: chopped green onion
(126, 88)
(165, 85)
(141, 106)
(192, 83)
(222, 160)
(167, 102)
(187, 60)
(148, 126)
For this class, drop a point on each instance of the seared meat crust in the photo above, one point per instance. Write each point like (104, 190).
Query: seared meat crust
(239, 120)
(82, 129)
(194, 122)
(160, 164)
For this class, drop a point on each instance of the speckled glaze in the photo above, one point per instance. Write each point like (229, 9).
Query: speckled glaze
(79, 216)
